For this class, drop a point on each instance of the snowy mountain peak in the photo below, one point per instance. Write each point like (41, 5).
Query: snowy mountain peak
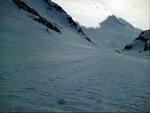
(112, 20)
(113, 32)
(117, 22)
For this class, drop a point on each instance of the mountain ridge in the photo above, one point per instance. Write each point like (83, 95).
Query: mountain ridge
(50, 6)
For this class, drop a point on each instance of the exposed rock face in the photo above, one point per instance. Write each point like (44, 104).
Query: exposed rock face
(142, 42)
(50, 6)
(47, 24)
(128, 46)
(36, 15)
(79, 30)
(24, 6)
(71, 22)
(53, 5)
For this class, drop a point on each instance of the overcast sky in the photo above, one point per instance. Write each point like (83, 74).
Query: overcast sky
(91, 12)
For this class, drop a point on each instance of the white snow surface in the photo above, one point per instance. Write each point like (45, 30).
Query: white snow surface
(41, 71)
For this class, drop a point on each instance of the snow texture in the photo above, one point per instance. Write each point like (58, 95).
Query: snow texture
(44, 71)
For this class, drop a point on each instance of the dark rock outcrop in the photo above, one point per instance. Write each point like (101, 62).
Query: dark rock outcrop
(51, 5)
(128, 46)
(22, 5)
(36, 16)
(54, 5)
(72, 23)
(47, 24)
(144, 38)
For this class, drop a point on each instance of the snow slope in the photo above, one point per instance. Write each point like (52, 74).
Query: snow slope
(44, 70)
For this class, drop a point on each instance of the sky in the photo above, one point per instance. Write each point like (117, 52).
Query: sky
(90, 13)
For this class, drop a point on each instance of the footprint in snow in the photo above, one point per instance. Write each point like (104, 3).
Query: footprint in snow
(61, 102)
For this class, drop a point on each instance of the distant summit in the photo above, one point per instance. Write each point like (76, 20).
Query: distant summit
(114, 21)
(113, 32)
